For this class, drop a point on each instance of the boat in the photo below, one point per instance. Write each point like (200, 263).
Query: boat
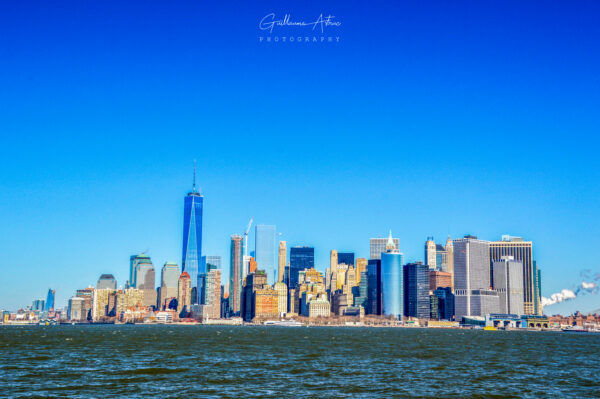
(490, 328)
(574, 329)
(284, 323)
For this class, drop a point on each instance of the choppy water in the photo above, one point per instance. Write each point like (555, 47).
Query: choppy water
(215, 361)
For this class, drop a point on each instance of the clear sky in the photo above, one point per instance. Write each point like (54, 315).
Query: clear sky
(436, 119)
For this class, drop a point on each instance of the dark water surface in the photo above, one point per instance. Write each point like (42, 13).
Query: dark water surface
(216, 361)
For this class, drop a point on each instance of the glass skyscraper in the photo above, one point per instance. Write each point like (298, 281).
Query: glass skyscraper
(346, 258)
(265, 250)
(521, 250)
(392, 297)
(137, 262)
(416, 290)
(192, 239)
(300, 258)
(374, 286)
(49, 300)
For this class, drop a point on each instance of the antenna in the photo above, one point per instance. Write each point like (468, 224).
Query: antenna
(194, 187)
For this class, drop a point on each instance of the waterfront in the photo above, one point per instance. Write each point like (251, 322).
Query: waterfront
(228, 361)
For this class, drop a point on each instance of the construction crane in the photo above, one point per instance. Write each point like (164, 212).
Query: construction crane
(246, 237)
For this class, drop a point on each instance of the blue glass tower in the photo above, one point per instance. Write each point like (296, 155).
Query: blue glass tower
(416, 290)
(266, 250)
(392, 297)
(49, 300)
(192, 238)
(300, 258)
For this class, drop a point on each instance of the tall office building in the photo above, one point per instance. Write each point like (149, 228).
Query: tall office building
(523, 251)
(88, 296)
(449, 248)
(373, 287)
(377, 246)
(213, 292)
(392, 297)
(235, 273)
(300, 258)
(439, 279)
(106, 281)
(333, 259)
(50, 300)
(169, 281)
(430, 253)
(472, 279)
(361, 266)
(281, 261)
(265, 246)
(213, 261)
(282, 294)
(104, 304)
(76, 310)
(445, 308)
(508, 281)
(346, 258)
(135, 261)
(145, 276)
(184, 293)
(38, 305)
(416, 290)
(537, 289)
(192, 238)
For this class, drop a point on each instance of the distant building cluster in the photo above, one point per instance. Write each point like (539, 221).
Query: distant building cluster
(465, 280)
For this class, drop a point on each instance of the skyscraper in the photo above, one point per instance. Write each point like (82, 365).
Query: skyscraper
(377, 246)
(50, 300)
(450, 260)
(374, 287)
(416, 290)
(300, 258)
(213, 260)
(523, 251)
(361, 266)
(282, 260)
(76, 311)
(134, 262)
(392, 296)
(169, 282)
(537, 289)
(508, 281)
(192, 237)
(472, 281)
(106, 281)
(430, 253)
(264, 248)
(184, 294)
(235, 273)
(145, 276)
(445, 308)
(213, 292)
(346, 258)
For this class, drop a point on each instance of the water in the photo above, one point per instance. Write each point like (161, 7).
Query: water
(217, 361)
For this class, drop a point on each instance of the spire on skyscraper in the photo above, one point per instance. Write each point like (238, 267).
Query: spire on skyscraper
(194, 185)
(390, 246)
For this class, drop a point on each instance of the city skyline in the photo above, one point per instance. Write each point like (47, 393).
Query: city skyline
(490, 129)
(374, 242)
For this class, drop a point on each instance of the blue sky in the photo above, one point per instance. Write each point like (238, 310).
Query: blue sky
(437, 119)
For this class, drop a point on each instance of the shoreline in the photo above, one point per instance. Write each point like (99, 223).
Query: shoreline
(299, 326)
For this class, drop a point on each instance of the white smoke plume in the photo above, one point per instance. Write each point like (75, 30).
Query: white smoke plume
(559, 297)
(583, 288)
